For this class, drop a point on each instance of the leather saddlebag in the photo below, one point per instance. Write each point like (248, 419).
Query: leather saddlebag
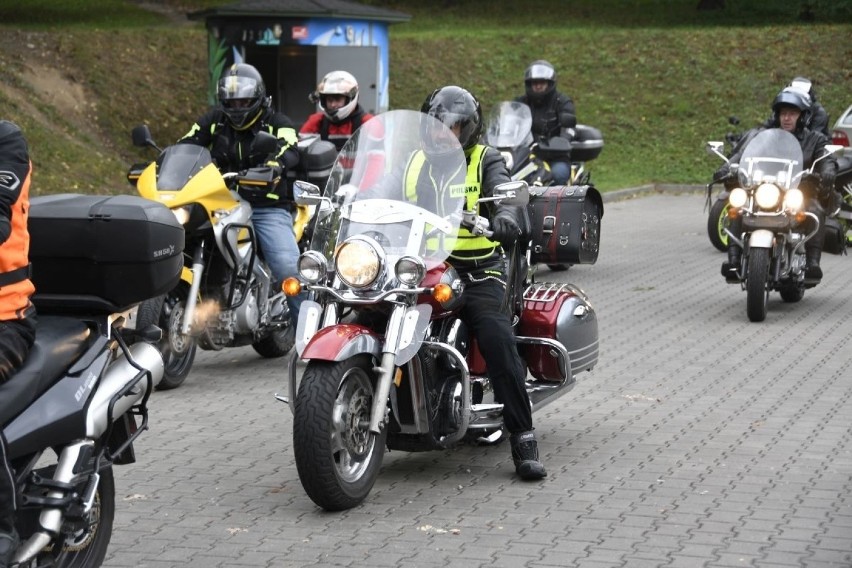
(566, 224)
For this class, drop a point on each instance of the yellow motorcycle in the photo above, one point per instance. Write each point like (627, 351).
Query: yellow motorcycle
(226, 296)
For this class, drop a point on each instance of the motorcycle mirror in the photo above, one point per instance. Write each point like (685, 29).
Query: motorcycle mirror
(515, 193)
(305, 193)
(716, 147)
(830, 150)
(141, 136)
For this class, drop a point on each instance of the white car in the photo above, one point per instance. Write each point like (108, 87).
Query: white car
(842, 132)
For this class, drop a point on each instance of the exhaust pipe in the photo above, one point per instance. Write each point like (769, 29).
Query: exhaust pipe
(117, 376)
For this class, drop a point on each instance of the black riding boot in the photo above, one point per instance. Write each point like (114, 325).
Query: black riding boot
(813, 272)
(525, 456)
(730, 266)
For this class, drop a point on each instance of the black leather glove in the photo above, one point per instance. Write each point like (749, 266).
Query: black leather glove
(505, 228)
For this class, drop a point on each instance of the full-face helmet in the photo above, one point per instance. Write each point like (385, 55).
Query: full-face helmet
(338, 83)
(540, 70)
(456, 106)
(242, 95)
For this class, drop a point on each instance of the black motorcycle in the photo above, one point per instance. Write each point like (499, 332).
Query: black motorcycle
(75, 408)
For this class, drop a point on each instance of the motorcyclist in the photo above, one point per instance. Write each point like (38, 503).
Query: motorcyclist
(790, 112)
(17, 313)
(553, 113)
(228, 130)
(340, 113)
(482, 265)
(818, 120)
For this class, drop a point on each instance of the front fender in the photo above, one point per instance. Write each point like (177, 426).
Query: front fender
(342, 341)
(761, 238)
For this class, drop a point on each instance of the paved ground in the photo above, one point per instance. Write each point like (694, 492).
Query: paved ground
(701, 439)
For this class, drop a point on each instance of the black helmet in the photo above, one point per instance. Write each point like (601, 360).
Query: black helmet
(242, 95)
(794, 97)
(454, 105)
(540, 70)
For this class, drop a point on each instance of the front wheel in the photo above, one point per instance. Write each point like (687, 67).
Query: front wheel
(277, 344)
(337, 456)
(178, 350)
(717, 222)
(757, 292)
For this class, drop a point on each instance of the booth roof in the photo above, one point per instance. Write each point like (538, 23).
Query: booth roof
(343, 9)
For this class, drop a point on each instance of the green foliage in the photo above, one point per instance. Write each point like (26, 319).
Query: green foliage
(656, 76)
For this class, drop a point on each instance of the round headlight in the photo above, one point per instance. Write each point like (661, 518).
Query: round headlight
(181, 214)
(794, 199)
(312, 266)
(410, 270)
(767, 196)
(358, 263)
(738, 197)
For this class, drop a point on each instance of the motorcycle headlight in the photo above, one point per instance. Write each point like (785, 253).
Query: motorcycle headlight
(794, 199)
(358, 263)
(767, 196)
(182, 214)
(312, 266)
(738, 197)
(410, 270)
(507, 157)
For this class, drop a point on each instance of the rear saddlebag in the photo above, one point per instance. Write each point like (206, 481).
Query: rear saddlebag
(566, 224)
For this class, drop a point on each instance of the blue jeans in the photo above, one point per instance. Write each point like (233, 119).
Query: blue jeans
(561, 172)
(273, 227)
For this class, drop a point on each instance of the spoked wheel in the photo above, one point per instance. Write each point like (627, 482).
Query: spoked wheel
(337, 456)
(178, 349)
(83, 541)
(757, 292)
(717, 222)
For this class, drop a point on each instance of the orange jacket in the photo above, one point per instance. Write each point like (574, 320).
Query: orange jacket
(15, 170)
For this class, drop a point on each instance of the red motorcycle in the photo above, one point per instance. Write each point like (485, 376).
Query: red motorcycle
(389, 363)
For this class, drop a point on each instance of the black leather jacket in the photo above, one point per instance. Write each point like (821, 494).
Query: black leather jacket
(230, 148)
(551, 114)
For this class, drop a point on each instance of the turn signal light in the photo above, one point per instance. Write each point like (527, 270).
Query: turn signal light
(291, 286)
(442, 293)
(800, 217)
(733, 212)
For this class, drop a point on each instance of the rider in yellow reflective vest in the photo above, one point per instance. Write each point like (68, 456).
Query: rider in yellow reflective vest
(482, 264)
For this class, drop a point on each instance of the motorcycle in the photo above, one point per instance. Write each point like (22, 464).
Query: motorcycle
(389, 364)
(509, 131)
(226, 296)
(773, 218)
(79, 402)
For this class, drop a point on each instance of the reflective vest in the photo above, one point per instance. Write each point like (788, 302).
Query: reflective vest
(467, 246)
(15, 285)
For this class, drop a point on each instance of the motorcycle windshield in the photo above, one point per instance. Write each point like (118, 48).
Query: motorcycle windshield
(509, 125)
(177, 164)
(400, 181)
(772, 156)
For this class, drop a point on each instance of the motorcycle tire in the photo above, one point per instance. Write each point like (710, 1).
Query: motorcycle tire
(178, 350)
(337, 457)
(757, 293)
(276, 344)
(83, 549)
(717, 222)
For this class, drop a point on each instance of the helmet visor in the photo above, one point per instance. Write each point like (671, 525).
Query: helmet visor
(236, 87)
(540, 72)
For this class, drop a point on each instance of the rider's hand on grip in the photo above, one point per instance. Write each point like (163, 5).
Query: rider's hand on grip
(505, 229)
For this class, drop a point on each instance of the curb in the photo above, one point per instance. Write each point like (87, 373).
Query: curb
(631, 192)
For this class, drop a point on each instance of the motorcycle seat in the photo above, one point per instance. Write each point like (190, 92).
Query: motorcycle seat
(59, 342)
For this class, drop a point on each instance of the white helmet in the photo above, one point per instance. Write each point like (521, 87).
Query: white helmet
(337, 83)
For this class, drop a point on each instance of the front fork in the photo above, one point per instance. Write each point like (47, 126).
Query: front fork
(386, 368)
(194, 287)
